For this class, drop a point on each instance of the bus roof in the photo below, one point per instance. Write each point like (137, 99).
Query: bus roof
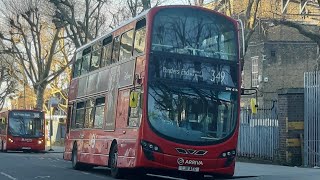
(31, 110)
(111, 31)
(137, 18)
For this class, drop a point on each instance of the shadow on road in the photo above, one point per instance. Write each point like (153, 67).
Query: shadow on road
(106, 172)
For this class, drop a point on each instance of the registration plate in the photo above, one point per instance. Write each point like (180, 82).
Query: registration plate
(26, 148)
(188, 168)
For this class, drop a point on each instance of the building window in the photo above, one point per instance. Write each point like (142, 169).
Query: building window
(255, 71)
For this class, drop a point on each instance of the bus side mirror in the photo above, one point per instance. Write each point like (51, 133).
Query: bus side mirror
(134, 97)
(242, 91)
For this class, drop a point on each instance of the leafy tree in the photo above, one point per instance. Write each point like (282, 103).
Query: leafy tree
(32, 40)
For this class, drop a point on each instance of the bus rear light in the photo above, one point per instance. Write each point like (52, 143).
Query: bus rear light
(10, 140)
(150, 146)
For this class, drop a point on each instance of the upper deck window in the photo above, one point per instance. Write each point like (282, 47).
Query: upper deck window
(95, 60)
(86, 58)
(107, 51)
(194, 32)
(115, 49)
(77, 65)
(126, 45)
(140, 37)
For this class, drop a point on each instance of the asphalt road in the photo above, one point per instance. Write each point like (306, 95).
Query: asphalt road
(51, 166)
(47, 166)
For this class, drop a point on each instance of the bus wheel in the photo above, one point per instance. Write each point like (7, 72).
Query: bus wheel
(74, 159)
(116, 172)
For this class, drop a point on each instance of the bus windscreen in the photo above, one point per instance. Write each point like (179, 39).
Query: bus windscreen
(194, 32)
(26, 124)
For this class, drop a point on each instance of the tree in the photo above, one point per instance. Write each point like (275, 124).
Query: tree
(7, 81)
(32, 40)
(196, 2)
(82, 21)
(308, 25)
(85, 21)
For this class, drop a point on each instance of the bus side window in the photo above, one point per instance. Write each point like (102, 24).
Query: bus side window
(73, 117)
(115, 49)
(69, 118)
(77, 65)
(126, 45)
(80, 114)
(99, 113)
(86, 58)
(88, 123)
(140, 37)
(106, 51)
(95, 59)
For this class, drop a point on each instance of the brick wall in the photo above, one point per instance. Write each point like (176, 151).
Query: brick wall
(291, 113)
(284, 55)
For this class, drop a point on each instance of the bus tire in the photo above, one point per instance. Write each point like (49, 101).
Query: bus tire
(115, 171)
(74, 159)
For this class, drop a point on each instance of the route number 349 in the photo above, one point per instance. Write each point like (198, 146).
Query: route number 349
(218, 76)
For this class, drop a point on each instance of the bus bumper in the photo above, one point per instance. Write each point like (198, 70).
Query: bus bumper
(25, 147)
(223, 166)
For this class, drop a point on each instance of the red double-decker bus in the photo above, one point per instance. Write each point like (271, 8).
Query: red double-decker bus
(160, 92)
(22, 130)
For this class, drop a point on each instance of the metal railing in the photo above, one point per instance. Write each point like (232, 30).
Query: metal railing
(312, 119)
(259, 133)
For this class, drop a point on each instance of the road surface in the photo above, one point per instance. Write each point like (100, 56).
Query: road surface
(51, 166)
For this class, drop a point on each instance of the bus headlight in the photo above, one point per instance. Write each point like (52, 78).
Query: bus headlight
(150, 146)
(10, 140)
(228, 154)
(40, 141)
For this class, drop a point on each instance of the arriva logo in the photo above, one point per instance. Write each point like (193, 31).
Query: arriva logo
(194, 162)
(181, 161)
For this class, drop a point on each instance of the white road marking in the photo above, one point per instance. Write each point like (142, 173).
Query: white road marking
(8, 176)
(167, 177)
(42, 177)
